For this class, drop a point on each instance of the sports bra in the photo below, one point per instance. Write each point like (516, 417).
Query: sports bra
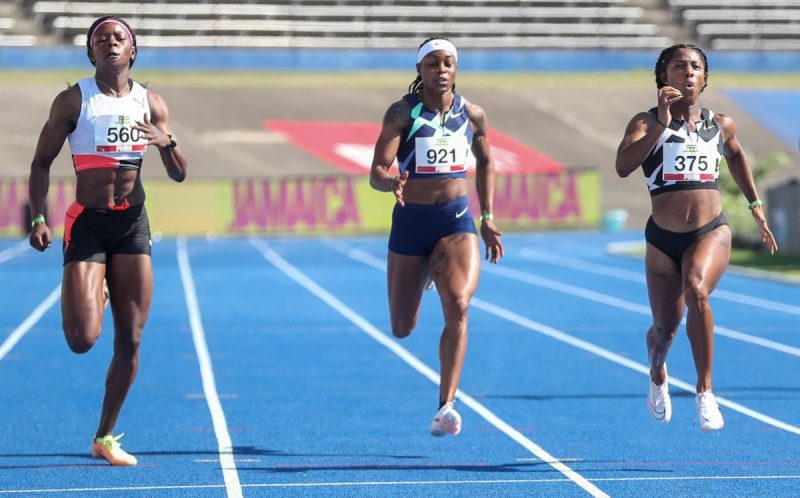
(683, 160)
(431, 149)
(104, 136)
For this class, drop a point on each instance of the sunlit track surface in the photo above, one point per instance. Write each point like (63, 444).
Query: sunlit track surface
(319, 400)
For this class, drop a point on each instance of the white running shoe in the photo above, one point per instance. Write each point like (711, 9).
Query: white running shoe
(446, 421)
(659, 403)
(708, 412)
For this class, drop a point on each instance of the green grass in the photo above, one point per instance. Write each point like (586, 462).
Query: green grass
(779, 263)
(391, 79)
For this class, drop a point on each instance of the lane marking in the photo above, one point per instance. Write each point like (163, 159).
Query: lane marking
(610, 271)
(558, 335)
(224, 443)
(299, 277)
(30, 321)
(641, 309)
(14, 250)
(335, 484)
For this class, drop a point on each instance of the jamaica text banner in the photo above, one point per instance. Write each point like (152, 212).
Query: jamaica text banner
(318, 205)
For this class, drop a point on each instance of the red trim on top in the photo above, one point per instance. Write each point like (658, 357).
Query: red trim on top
(121, 148)
(93, 161)
(439, 169)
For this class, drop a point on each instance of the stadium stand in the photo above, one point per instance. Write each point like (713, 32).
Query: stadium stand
(362, 24)
(740, 24)
(7, 35)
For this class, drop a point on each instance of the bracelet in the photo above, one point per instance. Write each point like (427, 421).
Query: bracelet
(37, 219)
(662, 124)
(755, 204)
(487, 216)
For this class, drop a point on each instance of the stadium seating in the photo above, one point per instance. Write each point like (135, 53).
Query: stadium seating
(359, 23)
(8, 39)
(740, 24)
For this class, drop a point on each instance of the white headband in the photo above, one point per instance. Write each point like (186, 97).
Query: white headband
(434, 45)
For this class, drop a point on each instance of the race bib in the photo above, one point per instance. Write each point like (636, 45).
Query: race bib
(441, 154)
(688, 162)
(115, 133)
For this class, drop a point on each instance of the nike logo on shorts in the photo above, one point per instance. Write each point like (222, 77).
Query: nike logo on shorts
(462, 212)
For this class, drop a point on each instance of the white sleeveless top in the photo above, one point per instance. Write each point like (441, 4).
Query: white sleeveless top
(104, 136)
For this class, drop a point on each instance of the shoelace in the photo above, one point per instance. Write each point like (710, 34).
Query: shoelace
(110, 441)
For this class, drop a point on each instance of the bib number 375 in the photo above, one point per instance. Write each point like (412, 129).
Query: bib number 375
(689, 162)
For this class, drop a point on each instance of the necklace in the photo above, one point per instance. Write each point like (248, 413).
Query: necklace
(115, 93)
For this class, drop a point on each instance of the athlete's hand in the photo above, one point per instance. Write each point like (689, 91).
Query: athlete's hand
(152, 133)
(398, 183)
(667, 96)
(491, 238)
(40, 238)
(766, 234)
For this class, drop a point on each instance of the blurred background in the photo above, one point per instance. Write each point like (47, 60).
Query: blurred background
(277, 103)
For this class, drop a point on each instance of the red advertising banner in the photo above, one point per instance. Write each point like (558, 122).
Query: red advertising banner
(350, 146)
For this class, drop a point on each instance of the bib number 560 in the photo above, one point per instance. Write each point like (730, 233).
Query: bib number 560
(122, 134)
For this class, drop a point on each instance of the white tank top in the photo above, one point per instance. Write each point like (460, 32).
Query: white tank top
(104, 136)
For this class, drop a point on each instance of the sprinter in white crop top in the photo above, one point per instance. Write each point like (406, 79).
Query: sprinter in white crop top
(110, 121)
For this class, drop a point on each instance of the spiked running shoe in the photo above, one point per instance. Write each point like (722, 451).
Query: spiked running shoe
(108, 447)
(708, 412)
(659, 403)
(446, 421)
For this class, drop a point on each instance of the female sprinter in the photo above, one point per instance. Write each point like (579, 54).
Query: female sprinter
(679, 145)
(430, 131)
(109, 120)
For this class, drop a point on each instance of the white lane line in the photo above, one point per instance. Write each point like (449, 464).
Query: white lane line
(629, 306)
(334, 484)
(610, 271)
(621, 360)
(224, 443)
(14, 250)
(299, 277)
(558, 335)
(29, 322)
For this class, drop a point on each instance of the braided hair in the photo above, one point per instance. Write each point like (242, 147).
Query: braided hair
(96, 24)
(666, 56)
(416, 85)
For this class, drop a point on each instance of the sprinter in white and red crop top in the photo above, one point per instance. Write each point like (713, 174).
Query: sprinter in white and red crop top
(110, 121)
(679, 144)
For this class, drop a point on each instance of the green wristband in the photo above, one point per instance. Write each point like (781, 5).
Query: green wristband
(38, 219)
(487, 216)
(755, 204)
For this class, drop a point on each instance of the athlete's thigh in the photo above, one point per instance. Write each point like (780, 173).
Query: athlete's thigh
(406, 281)
(706, 260)
(81, 293)
(664, 287)
(456, 265)
(130, 285)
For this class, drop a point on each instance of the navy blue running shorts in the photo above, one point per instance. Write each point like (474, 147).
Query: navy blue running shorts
(416, 228)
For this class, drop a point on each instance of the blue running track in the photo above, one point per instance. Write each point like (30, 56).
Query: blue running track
(267, 369)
